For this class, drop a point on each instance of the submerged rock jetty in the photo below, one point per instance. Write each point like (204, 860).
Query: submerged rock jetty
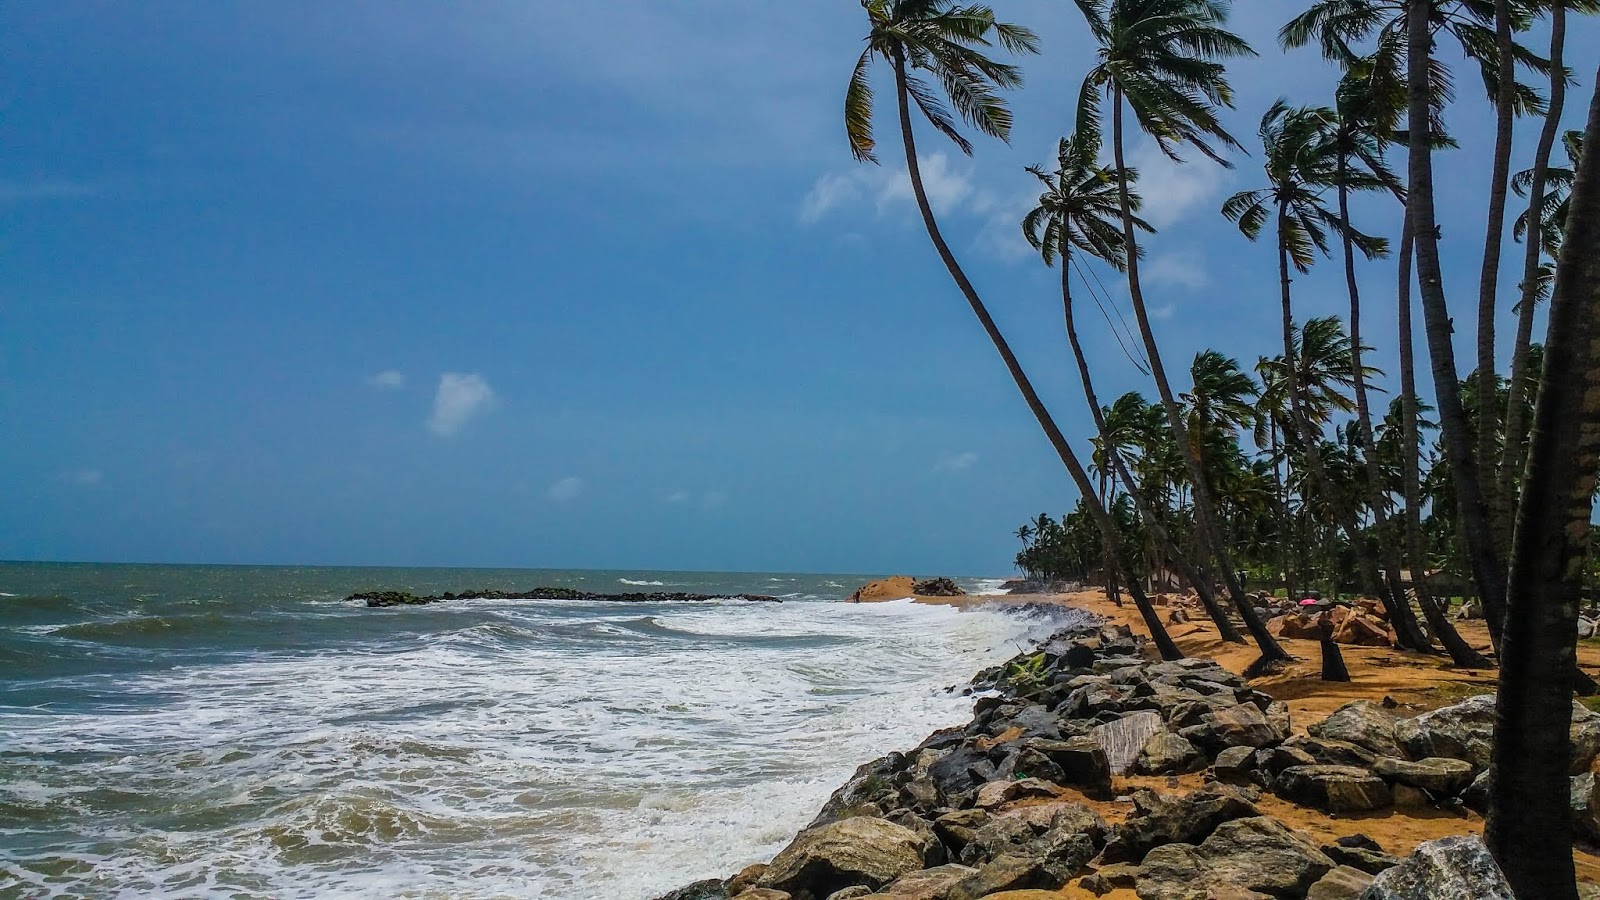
(1093, 769)
(382, 599)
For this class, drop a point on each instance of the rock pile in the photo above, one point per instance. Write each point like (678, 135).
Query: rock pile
(1002, 805)
(899, 587)
(383, 599)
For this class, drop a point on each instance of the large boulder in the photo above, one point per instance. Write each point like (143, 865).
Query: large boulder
(928, 884)
(1439, 777)
(1364, 724)
(1123, 739)
(862, 850)
(1466, 731)
(1244, 725)
(1343, 883)
(1079, 762)
(1334, 789)
(1169, 754)
(1160, 819)
(1255, 856)
(1451, 867)
(711, 889)
(937, 587)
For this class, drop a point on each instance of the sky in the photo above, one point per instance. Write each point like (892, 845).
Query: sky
(580, 283)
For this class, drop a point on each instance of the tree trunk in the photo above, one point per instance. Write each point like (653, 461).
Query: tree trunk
(1488, 285)
(1516, 413)
(1202, 585)
(1377, 498)
(1204, 508)
(1158, 632)
(1529, 826)
(1487, 571)
(1461, 653)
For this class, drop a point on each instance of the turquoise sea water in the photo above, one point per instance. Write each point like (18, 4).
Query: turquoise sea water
(195, 731)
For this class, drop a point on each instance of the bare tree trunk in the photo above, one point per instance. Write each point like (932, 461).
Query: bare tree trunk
(1529, 826)
(1204, 508)
(1461, 653)
(1202, 585)
(1488, 285)
(1080, 477)
(1516, 404)
(1487, 569)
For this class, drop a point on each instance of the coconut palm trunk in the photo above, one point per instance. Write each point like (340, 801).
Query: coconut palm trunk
(1080, 477)
(1488, 282)
(1461, 652)
(1406, 632)
(1202, 585)
(1516, 416)
(1204, 507)
(1488, 573)
(1529, 827)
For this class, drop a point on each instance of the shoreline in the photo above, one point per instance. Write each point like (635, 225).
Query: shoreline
(1015, 804)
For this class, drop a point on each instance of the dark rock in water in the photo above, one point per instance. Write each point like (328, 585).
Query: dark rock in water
(937, 587)
(1451, 867)
(712, 889)
(381, 599)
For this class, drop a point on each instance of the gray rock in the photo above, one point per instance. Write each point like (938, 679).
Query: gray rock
(1466, 731)
(1279, 758)
(851, 893)
(1169, 754)
(1334, 789)
(1451, 867)
(711, 889)
(1082, 761)
(999, 793)
(1255, 856)
(928, 884)
(1008, 873)
(956, 829)
(1586, 806)
(1122, 740)
(1246, 726)
(865, 851)
(1369, 858)
(1234, 764)
(1159, 819)
(1364, 724)
(758, 893)
(1329, 752)
(1439, 777)
(1343, 883)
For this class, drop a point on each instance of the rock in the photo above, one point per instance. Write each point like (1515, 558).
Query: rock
(1243, 726)
(1234, 764)
(1465, 731)
(1169, 754)
(1404, 796)
(999, 793)
(1586, 806)
(1334, 789)
(1360, 852)
(765, 894)
(1121, 741)
(746, 878)
(1361, 631)
(1256, 856)
(1262, 854)
(1451, 867)
(851, 893)
(711, 889)
(928, 884)
(1364, 724)
(1277, 759)
(1109, 878)
(956, 829)
(1082, 761)
(937, 587)
(864, 851)
(1585, 628)
(868, 792)
(1342, 883)
(1333, 753)
(1471, 609)
(897, 587)
(1158, 819)
(1008, 873)
(1439, 777)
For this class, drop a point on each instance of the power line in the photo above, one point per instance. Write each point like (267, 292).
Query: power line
(1140, 363)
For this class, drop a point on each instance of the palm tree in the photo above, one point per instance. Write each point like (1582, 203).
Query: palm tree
(946, 41)
(1539, 228)
(1300, 165)
(1529, 827)
(1158, 58)
(1473, 511)
(1079, 210)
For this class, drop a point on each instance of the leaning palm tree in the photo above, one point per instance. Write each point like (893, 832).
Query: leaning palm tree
(946, 41)
(1080, 211)
(1158, 59)
(1529, 826)
(1300, 166)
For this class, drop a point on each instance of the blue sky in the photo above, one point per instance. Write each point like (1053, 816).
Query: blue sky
(569, 284)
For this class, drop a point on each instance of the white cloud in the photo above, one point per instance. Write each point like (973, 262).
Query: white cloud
(832, 190)
(1164, 312)
(460, 397)
(566, 490)
(1181, 268)
(676, 497)
(1171, 190)
(387, 380)
(956, 462)
(84, 477)
(887, 189)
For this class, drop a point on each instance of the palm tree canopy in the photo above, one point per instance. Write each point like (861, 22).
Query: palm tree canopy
(1079, 207)
(1162, 56)
(1557, 200)
(946, 40)
(1302, 163)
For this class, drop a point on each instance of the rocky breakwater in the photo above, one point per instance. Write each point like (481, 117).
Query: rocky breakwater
(382, 599)
(1033, 795)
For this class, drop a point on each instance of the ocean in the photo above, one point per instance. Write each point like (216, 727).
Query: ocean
(210, 731)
